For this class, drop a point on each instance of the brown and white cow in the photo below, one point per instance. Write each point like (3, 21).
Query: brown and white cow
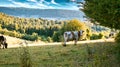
(72, 35)
(3, 42)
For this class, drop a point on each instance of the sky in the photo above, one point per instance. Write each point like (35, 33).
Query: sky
(41, 4)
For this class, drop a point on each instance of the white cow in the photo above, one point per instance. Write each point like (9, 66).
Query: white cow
(72, 35)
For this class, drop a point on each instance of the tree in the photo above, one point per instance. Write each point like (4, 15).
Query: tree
(105, 12)
(57, 36)
(74, 25)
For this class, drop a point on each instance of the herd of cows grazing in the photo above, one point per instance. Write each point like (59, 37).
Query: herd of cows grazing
(68, 36)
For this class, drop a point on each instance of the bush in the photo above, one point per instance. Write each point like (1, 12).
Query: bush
(96, 36)
(88, 34)
(49, 39)
(32, 37)
(100, 36)
(57, 36)
(44, 38)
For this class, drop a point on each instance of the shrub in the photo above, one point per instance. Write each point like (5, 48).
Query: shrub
(32, 37)
(96, 36)
(88, 34)
(43, 38)
(57, 36)
(100, 36)
(49, 39)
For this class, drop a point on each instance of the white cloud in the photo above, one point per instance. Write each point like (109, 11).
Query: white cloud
(9, 0)
(41, 1)
(73, 0)
(10, 5)
(53, 2)
(28, 5)
(20, 4)
(32, 0)
(41, 5)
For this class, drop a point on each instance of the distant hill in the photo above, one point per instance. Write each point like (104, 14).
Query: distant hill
(42, 13)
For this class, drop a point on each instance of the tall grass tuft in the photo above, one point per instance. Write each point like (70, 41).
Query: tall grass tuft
(24, 56)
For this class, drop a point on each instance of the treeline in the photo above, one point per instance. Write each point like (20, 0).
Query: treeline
(28, 28)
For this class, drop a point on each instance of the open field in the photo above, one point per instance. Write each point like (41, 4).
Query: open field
(100, 54)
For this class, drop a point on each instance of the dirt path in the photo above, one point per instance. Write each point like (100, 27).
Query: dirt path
(60, 43)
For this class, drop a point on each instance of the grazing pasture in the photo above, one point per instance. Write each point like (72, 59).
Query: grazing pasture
(81, 55)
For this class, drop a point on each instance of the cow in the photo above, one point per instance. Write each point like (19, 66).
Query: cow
(72, 35)
(3, 42)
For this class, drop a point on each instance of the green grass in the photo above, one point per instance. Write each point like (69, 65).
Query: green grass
(82, 55)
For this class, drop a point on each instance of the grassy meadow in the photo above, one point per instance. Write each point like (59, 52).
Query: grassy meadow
(81, 55)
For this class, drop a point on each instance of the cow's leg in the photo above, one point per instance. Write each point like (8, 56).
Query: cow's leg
(75, 42)
(3, 45)
(6, 45)
(0, 45)
(65, 40)
(64, 43)
(76, 39)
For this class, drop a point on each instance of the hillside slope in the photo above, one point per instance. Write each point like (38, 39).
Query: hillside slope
(13, 40)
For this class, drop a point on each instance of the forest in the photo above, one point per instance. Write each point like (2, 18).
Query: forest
(28, 28)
